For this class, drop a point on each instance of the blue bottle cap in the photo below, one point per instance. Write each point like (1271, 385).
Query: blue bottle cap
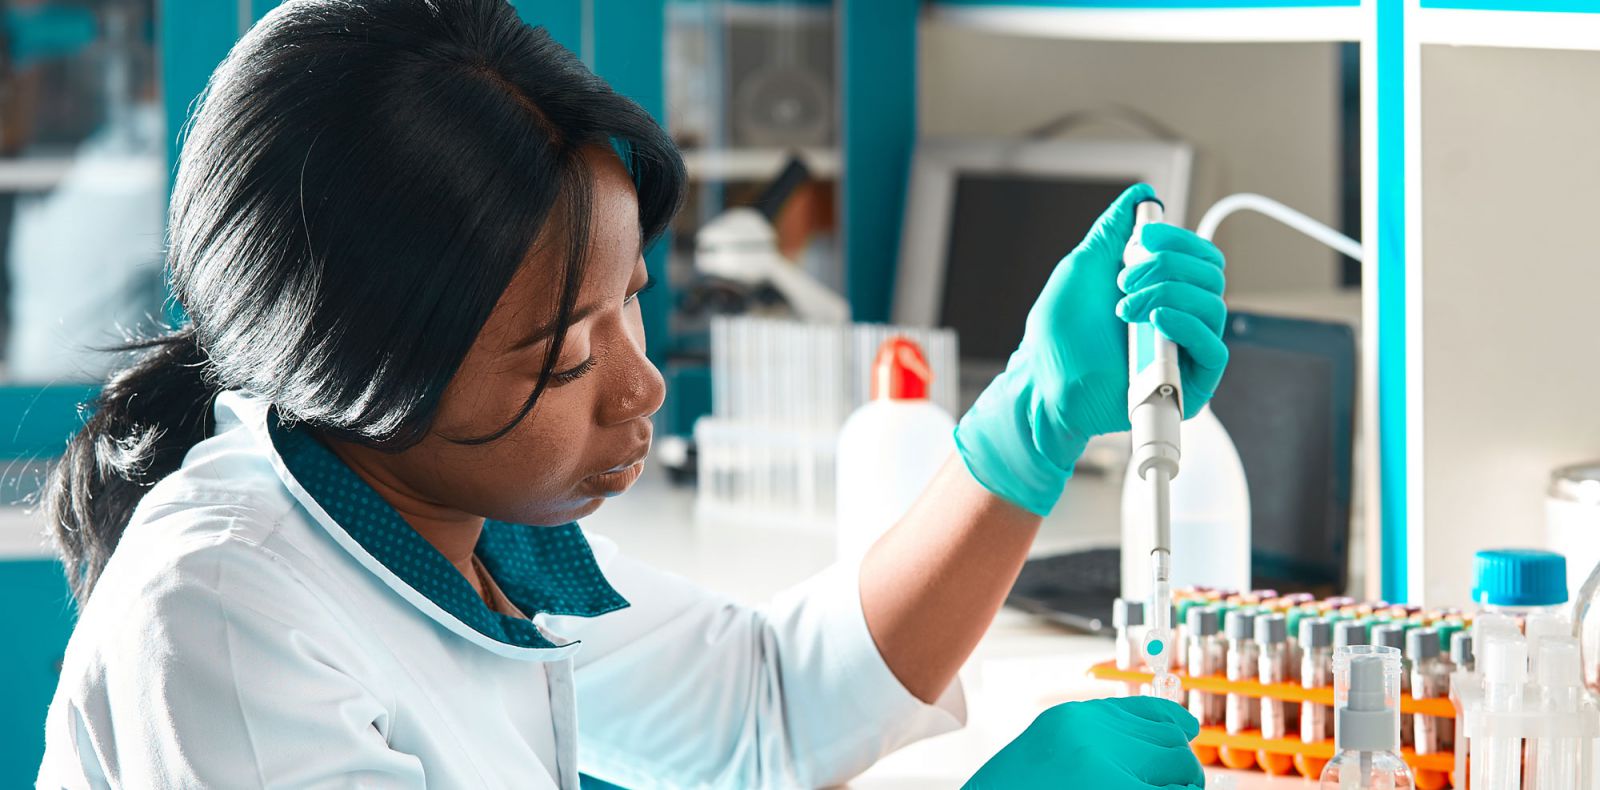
(1519, 577)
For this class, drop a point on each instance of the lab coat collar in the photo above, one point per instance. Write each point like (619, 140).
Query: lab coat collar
(549, 570)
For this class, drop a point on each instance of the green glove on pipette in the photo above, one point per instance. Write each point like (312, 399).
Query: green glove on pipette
(1131, 743)
(1068, 380)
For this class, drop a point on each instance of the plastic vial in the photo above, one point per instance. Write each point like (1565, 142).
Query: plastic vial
(1538, 626)
(1366, 697)
(1349, 632)
(1180, 630)
(1207, 653)
(1496, 760)
(1316, 671)
(1394, 635)
(1272, 666)
(1430, 679)
(1461, 651)
(1553, 762)
(1243, 712)
(1518, 582)
(1127, 617)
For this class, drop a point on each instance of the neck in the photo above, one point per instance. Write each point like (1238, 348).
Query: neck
(451, 532)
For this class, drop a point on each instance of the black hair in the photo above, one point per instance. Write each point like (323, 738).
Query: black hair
(359, 185)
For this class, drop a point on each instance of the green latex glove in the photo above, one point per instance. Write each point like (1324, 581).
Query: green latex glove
(1132, 743)
(1068, 380)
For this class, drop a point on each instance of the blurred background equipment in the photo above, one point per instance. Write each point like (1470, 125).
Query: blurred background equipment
(987, 220)
(781, 390)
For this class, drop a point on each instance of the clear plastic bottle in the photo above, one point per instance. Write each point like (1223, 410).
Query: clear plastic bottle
(1366, 696)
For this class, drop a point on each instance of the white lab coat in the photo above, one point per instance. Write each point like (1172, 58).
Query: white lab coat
(240, 638)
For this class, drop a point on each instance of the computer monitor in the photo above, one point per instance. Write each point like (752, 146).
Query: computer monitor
(1288, 402)
(987, 220)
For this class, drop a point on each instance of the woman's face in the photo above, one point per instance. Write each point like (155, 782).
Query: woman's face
(587, 436)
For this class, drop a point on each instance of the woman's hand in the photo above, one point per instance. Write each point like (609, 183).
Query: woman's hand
(1133, 743)
(1068, 381)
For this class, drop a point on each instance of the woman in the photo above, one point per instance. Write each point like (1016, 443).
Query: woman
(323, 533)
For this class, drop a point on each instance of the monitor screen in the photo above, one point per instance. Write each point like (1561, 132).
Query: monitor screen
(1006, 232)
(1288, 404)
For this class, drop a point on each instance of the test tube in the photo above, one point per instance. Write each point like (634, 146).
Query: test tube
(1207, 656)
(1316, 671)
(1394, 635)
(1496, 760)
(1127, 617)
(1242, 711)
(1553, 762)
(1180, 630)
(1430, 679)
(1272, 643)
(1541, 625)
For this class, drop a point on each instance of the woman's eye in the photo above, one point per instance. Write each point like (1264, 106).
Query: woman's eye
(569, 376)
(651, 283)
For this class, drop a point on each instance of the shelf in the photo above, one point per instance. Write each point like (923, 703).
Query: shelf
(756, 164)
(1173, 21)
(1519, 29)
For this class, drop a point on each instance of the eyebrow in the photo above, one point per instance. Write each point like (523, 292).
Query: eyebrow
(547, 330)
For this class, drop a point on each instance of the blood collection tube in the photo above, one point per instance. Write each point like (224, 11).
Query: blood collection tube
(1430, 679)
(1316, 671)
(1394, 635)
(1242, 711)
(1272, 642)
(1207, 656)
(1127, 617)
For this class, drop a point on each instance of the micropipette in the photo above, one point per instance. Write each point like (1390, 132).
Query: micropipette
(1155, 410)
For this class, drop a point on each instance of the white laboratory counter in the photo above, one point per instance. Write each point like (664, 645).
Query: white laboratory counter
(1021, 667)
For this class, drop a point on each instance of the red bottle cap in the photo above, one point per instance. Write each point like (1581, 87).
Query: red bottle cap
(901, 371)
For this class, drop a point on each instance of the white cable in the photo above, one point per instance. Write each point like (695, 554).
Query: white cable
(1261, 204)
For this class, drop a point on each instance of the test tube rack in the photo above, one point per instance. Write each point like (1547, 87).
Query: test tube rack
(1525, 726)
(1285, 756)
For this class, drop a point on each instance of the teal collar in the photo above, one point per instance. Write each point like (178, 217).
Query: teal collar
(548, 570)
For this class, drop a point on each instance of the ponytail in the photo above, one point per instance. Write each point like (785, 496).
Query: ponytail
(140, 427)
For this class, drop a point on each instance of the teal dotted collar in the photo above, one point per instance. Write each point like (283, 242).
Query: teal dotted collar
(540, 569)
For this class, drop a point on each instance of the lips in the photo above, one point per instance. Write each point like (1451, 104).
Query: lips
(617, 480)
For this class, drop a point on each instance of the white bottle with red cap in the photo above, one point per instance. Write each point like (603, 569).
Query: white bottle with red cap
(889, 449)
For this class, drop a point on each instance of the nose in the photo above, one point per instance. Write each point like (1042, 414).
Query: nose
(638, 391)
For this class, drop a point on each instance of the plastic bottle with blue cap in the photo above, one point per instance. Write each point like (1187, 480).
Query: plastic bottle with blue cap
(1519, 582)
